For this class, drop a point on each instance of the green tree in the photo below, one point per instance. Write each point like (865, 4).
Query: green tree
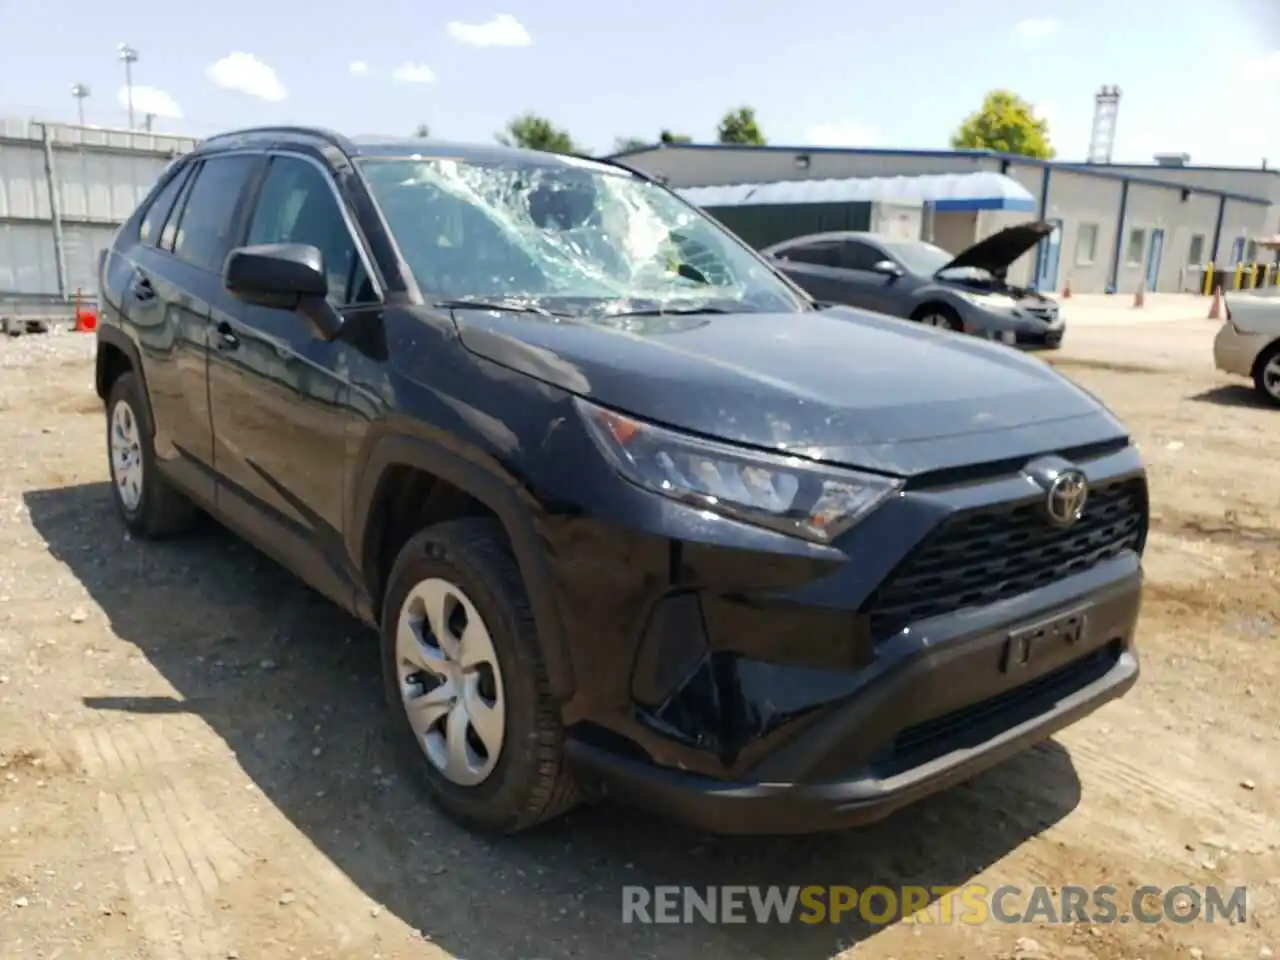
(536, 133)
(1007, 123)
(422, 131)
(740, 126)
(668, 137)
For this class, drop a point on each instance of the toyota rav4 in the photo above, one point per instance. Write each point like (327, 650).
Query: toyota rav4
(634, 516)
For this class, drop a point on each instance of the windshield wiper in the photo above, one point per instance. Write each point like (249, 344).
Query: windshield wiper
(511, 305)
(666, 312)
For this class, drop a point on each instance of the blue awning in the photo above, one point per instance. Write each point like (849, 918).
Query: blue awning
(984, 190)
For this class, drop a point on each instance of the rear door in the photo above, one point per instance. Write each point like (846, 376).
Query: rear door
(814, 265)
(172, 277)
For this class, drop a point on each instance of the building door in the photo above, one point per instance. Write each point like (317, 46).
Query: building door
(1047, 259)
(1153, 258)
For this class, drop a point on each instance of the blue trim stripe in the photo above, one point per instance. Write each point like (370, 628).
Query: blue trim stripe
(984, 203)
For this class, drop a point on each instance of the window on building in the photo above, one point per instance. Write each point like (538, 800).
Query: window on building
(1086, 244)
(204, 232)
(1196, 254)
(1137, 247)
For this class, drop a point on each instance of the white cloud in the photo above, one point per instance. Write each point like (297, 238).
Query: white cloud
(358, 66)
(1037, 27)
(503, 30)
(846, 133)
(150, 100)
(414, 73)
(245, 73)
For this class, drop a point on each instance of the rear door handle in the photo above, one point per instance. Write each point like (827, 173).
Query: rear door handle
(227, 339)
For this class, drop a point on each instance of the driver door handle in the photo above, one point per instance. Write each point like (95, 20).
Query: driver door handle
(227, 338)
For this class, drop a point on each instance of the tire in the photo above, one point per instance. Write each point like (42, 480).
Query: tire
(938, 315)
(527, 782)
(147, 503)
(1266, 374)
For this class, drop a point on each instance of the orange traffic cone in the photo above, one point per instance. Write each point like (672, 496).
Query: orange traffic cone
(1215, 310)
(1066, 290)
(1140, 295)
(86, 320)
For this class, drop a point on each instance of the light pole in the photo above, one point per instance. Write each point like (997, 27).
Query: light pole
(80, 91)
(128, 56)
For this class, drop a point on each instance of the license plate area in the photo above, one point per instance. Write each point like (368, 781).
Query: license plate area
(1027, 646)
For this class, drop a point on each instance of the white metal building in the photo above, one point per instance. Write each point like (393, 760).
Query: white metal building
(63, 192)
(1119, 227)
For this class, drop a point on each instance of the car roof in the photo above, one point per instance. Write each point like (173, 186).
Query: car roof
(327, 141)
(834, 235)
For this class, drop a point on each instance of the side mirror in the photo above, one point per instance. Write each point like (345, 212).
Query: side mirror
(283, 276)
(887, 268)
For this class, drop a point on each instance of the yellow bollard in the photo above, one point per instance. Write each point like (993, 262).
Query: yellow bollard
(1206, 286)
(1253, 280)
(1239, 275)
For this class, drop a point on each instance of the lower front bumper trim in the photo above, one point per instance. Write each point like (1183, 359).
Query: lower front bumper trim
(725, 807)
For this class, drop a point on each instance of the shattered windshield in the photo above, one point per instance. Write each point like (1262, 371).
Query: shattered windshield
(571, 236)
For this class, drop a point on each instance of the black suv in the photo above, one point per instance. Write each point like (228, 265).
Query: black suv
(634, 516)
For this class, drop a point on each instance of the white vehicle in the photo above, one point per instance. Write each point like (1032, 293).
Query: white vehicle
(1248, 345)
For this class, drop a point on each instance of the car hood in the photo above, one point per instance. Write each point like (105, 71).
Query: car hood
(839, 385)
(996, 252)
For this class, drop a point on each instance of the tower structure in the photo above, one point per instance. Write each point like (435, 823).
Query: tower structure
(1102, 138)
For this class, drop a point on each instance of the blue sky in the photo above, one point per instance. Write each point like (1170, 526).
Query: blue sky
(1200, 77)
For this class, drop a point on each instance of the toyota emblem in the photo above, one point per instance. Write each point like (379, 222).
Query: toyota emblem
(1065, 499)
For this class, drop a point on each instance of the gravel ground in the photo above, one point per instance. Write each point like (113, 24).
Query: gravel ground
(191, 762)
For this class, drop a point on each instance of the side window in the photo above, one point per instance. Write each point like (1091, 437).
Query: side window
(825, 253)
(204, 231)
(297, 205)
(158, 212)
(858, 256)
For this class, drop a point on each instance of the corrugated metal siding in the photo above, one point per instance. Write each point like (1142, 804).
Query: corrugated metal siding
(82, 245)
(24, 189)
(104, 187)
(768, 224)
(28, 260)
(100, 175)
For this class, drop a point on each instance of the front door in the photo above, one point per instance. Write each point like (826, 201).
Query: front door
(280, 395)
(1047, 259)
(1153, 258)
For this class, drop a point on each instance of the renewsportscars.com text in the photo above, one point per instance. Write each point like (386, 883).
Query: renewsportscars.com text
(971, 904)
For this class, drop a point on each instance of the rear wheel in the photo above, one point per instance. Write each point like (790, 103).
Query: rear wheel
(1266, 374)
(938, 315)
(149, 506)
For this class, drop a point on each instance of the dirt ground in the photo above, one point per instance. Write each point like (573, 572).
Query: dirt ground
(192, 764)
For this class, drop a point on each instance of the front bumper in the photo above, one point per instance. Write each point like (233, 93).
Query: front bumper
(767, 687)
(921, 757)
(1021, 329)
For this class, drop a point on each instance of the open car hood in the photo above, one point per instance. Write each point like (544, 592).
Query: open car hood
(996, 252)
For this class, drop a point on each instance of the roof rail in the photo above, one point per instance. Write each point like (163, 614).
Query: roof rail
(336, 139)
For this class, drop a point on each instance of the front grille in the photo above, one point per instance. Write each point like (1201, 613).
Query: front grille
(990, 554)
(1048, 314)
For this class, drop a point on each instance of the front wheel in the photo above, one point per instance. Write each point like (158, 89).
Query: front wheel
(471, 716)
(940, 316)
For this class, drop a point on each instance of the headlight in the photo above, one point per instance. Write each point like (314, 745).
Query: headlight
(783, 493)
(989, 300)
